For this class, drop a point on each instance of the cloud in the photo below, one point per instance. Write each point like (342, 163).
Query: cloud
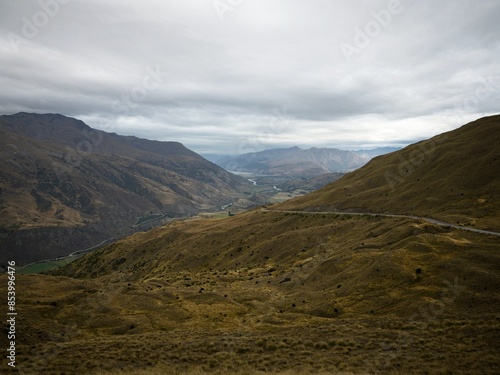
(254, 74)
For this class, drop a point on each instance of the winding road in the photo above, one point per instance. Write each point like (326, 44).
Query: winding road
(429, 220)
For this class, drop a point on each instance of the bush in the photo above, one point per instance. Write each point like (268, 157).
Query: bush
(321, 345)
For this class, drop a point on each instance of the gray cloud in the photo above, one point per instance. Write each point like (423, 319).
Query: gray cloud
(258, 73)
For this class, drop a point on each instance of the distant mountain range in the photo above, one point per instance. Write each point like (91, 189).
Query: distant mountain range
(297, 162)
(65, 186)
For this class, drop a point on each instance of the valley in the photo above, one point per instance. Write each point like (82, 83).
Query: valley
(231, 187)
(390, 269)
(261, 189)
(74, 186)
(66, 187)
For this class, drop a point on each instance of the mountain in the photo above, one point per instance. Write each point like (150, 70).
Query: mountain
(298, 287)
(294, 162)
(65, 186)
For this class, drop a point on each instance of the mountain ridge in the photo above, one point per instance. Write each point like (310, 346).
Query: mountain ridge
(61, 174)
(294, 161)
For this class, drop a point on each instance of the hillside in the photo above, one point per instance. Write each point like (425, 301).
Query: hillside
(73, 186)
(453, 176)
(299, 291)
(310, 184)
(294, 162)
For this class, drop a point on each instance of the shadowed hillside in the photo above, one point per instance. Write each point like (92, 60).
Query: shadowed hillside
(74, 186)
(271, 291)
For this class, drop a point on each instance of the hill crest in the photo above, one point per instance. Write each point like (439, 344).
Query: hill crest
(452, 176)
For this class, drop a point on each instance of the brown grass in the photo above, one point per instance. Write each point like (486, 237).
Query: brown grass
(354, 301)
(200, 371)
(276, 293)
(453, 176)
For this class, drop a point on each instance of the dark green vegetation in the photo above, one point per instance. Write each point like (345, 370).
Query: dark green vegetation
(42, 266)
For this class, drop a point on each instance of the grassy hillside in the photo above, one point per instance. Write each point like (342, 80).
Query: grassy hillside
(274, 291)
(453, 176)
(309, 257)
(270, 291)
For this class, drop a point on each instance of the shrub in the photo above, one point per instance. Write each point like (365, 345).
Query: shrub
(321, 345)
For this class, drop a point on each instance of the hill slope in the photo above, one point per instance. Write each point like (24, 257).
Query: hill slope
(74, 186)
(272, 291)
(453, 176)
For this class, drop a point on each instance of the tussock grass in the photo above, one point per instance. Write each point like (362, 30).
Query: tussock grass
(273, 292)
(201, 371)
(450, 177)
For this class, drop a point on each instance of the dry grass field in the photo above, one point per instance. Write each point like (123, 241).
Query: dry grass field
(397, 297)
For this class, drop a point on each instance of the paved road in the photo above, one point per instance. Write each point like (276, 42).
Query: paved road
(429, 220)
(89, 249)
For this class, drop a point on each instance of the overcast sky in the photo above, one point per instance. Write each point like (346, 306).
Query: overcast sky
(235, 76)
